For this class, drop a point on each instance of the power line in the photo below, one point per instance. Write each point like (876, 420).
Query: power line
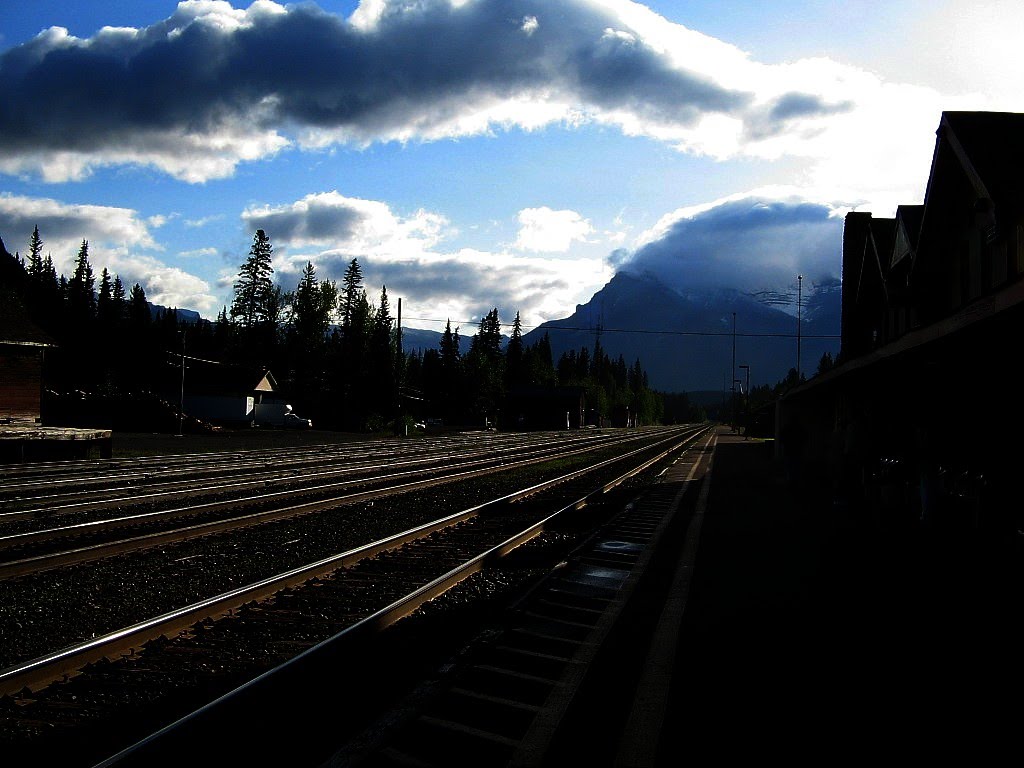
(605, 329)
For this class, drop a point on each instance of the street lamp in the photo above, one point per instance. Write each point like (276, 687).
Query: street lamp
(735, 405)
(746, 402)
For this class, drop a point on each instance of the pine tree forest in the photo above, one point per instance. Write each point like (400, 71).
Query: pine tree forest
(334, 350)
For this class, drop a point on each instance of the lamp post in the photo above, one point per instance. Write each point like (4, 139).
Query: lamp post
(736, 405)
(746, 403)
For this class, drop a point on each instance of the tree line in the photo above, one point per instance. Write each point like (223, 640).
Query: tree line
(336, 354)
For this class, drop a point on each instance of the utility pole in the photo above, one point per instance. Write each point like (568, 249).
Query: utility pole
(181, 402)
(399, 368)
(746, 404)
(799, 304)
(733, 399)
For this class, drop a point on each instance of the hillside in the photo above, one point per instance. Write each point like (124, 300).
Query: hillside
(685, 341)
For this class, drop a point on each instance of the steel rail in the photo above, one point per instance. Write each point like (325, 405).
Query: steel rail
(151, 494)
(148, 498)
(491, 460)
(220, 467)
(37, 673)
(38, 563)
(254, 701)
(148, 468)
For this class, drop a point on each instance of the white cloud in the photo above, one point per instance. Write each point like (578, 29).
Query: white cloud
(205, 220)
(755, 242)
(403, 253)
(165, 285)
(466, 284)
(544, 230)
(63, 227)
(348, 224)
(385, 74)
(197, 253)
(115, 237)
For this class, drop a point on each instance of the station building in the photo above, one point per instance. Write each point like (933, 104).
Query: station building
(921, 414)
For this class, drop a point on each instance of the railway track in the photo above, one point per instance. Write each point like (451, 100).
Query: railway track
(80, 491)
(419, 563)
(44, 548)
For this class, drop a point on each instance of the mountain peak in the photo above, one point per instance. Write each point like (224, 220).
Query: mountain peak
(685, 338)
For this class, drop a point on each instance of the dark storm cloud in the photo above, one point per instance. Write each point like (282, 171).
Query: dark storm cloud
(313, 221)
(753, 244)
(208, 72)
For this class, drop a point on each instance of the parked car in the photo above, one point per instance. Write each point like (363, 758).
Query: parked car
(278, 415)
(297, 422)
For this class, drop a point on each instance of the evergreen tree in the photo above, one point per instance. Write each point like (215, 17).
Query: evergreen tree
(44, 298)
(515, 371)
(35, 258)
(351, 377)
(49, 278)
(448, 392)
(138, 307)
(117, 300)
(105, 299)
(312, 309)
(381, 361)
(222, 335)
(485, 369)
(314, 355)
(826, 363)
(539, 363)
(81, 289)
(351, 290)
(254, 300)
(488, 338)
(449, 345)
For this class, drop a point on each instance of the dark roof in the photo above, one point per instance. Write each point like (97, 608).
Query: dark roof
(883, 232)
(16, 328)
(911, 216)
(991, 144)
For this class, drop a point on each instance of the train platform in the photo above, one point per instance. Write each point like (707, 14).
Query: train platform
(764, 619)
(24, 440)
(813, 629)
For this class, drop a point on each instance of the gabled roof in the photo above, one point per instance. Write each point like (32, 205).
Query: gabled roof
(883, 233)
(989, 147)
(907, 232)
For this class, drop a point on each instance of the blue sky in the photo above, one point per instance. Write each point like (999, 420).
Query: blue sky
(478, 153)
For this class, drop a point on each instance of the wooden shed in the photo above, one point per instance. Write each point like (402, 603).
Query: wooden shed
(22, 349)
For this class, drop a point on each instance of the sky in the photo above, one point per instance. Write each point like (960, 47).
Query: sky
(479, 153)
